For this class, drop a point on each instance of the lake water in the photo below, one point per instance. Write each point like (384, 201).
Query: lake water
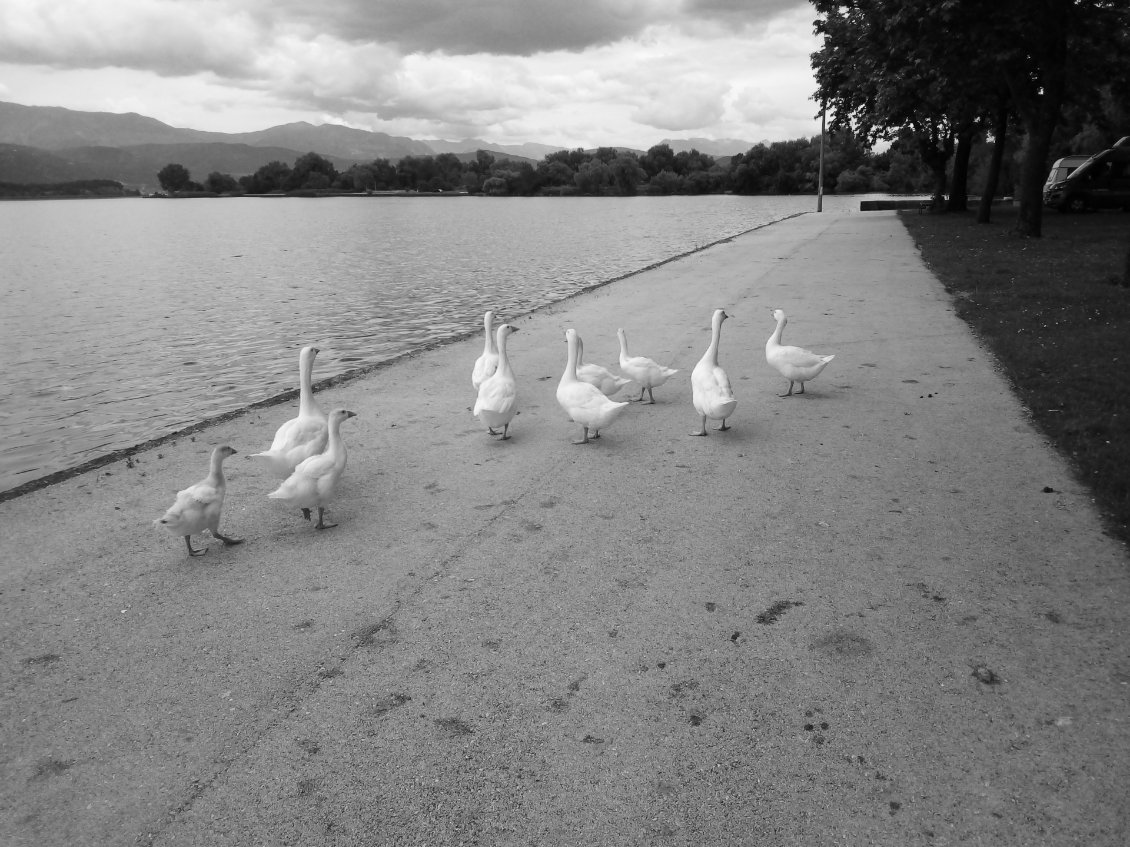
(125, 320)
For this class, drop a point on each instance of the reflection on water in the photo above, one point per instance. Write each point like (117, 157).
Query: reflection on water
(124, 320)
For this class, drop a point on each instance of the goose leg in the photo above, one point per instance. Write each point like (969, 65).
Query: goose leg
(228, 540)
(585, 434)
(640, 398)
(306, 514)
(191, 551)
(801, 389)
(788, 393)
(505, 431)
(650, 396)
(321, 524)
(702, 431)
(721, 428)
(490, 429)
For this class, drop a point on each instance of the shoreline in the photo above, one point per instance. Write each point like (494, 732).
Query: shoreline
(338, 379)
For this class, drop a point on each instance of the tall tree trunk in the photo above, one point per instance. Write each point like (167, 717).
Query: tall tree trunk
(992, 179)
(936, 152)
(1033, 172)
(1038, 98)
(959, 188)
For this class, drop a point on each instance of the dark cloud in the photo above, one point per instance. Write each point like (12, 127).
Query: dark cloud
(517, 27)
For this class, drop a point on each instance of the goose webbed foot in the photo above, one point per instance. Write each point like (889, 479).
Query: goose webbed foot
(321, 524)
(585, 434)
(505, 433)
(191, 550)
(801, 389)
(789, 393)
(228, 540)
(722, 428)
(702, 429)
(490, 429)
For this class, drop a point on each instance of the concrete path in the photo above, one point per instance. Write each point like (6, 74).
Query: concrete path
(880, 613)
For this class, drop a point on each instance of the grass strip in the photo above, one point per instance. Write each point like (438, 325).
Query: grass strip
(1055, 311)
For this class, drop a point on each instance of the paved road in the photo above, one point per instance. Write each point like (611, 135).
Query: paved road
(880, 613)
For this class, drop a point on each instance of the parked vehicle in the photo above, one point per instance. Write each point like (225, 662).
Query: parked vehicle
(1062, 169)
(1101, 182)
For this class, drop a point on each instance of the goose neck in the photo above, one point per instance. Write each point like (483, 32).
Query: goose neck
(503, 359)
(574, 355)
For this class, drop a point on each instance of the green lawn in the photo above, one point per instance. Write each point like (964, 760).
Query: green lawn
(1056, 313)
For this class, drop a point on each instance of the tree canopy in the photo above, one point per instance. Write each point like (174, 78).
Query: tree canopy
(940, 73)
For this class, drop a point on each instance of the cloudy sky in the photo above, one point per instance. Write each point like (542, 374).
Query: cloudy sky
(564, 72)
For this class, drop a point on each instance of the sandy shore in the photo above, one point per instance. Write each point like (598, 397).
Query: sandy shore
(880, 613)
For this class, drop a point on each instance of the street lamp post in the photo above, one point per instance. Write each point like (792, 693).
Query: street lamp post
(820, 179)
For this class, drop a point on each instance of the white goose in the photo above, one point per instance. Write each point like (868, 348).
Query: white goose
(197, 508)
(497, 403)
(598, 375)
(647, 372)
(793, 363)
(304, 436)
(315, 479)
(487, 362)
(711, 393)
(584, 403)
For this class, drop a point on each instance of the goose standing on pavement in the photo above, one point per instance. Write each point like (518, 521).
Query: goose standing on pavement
(583, 402)
(497, 403)
(487, 362)
(598, 375)
(314, 480)
(711, 393)
(793, 363)
(647, 372)
(197, 508)
(304, 436)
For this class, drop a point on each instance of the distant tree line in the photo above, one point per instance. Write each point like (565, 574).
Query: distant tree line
(783, 167)
(77, 188)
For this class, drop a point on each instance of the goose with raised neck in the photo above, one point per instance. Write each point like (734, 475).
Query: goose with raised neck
(711, 393)
(793, 363)
(487, 363)
(497, 403)
(303, 436)
(197, 508)
(585, 404)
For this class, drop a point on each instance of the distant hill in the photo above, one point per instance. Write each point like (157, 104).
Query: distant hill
(720, 147)
(51, 144)
(529, 150)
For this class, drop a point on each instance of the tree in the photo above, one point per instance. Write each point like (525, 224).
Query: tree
(311, 171)
(272, 176)
(219, 183)
(891, 66)
(174, 178)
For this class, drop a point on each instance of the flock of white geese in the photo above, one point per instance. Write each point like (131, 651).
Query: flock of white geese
(308, 454)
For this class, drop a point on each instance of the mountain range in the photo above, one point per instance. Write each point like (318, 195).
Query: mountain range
(48, 144)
